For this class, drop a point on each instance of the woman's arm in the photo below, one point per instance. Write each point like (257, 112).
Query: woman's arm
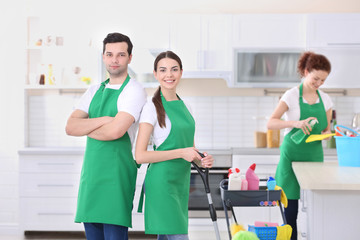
(142, 155)
(276, 123)
(328, 117)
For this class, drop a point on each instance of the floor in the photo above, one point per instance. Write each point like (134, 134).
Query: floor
(208, 235)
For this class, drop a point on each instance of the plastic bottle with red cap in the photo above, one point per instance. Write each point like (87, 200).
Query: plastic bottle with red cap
(252, 178)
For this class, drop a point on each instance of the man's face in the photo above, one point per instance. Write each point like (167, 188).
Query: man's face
(116, 58)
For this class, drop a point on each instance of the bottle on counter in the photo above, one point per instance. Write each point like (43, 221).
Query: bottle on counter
(252, 179)
(331, 143)
(298, 136)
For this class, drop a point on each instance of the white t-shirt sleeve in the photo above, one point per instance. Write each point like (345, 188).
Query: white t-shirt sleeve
(328, 103)
(148, 114)
(132, 99)
(85, 100)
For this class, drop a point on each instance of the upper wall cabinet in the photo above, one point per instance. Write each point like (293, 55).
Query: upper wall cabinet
(345, 71)
(269, 30)
(202, 41)
(333, 30)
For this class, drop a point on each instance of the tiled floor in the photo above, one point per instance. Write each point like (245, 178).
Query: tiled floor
(203, 235)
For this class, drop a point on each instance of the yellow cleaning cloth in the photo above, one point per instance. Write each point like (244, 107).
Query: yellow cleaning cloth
(283, 197)
(284, 232)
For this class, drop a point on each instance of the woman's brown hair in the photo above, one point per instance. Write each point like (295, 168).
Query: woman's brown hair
(311, 61)
(160, 111)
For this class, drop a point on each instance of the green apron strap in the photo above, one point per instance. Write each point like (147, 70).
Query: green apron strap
(141, 200)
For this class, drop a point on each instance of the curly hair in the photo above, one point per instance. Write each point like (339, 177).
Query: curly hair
(311, 61)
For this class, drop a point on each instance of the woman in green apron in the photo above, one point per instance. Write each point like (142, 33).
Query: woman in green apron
(168, 120)
(298, 106)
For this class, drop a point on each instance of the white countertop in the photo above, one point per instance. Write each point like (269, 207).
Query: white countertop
(326, 176)
(213, 151)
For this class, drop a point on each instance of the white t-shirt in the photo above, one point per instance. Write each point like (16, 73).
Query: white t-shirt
(149, 115)
(291, 98)
(131, 100)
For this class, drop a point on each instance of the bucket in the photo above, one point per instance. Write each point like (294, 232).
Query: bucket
(347, 148)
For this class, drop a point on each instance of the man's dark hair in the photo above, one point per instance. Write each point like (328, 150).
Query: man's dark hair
(118, 37)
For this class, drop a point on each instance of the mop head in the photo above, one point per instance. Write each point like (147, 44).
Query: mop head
(244, 235)
(236, 228)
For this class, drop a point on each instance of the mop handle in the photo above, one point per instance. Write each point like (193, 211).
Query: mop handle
(203, 174)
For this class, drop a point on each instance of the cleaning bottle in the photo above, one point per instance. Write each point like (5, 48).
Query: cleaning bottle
(271, 183)
(252, 178)
(234, 179)
(298, 136)
(244, 183)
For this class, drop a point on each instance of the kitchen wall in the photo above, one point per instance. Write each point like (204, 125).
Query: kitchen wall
(219, 107)
(225, 117)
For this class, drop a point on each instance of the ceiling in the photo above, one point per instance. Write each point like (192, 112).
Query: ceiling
(134, 7)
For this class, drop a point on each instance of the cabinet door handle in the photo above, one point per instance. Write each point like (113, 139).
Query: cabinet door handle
(302, 200)
(344, 44)
(303, 234)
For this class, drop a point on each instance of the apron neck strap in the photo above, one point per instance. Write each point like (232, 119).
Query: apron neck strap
(103, 84)
(164, 99)
(301, 93)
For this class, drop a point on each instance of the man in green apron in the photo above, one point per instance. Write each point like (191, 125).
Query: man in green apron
(108, 115)
(299, 105)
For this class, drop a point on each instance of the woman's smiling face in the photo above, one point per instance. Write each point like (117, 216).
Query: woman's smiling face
(168, 73)
(315, 78)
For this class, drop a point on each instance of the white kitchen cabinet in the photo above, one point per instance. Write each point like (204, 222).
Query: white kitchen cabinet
(269, 31)
(48, 191)
(202, 41)
(333, 30)
(48, 188)
(329, 194)
(345, 71)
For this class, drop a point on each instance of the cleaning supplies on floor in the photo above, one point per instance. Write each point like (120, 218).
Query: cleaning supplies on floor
(252, 178)
(235, 227)
(298, 136)
(265, 224)
(234, 179)
(284, 232)
(244, 235)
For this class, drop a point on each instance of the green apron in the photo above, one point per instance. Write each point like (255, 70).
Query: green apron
(108, 175)
(167, 183)
(303, 152)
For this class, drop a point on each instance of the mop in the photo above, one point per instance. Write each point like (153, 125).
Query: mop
(205, 178)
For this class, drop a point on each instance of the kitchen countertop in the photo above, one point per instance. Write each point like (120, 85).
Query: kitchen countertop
(233, 151)
(272, 151)
(326, 176)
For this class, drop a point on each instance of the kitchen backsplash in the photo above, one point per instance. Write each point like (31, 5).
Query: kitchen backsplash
(221, 121)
